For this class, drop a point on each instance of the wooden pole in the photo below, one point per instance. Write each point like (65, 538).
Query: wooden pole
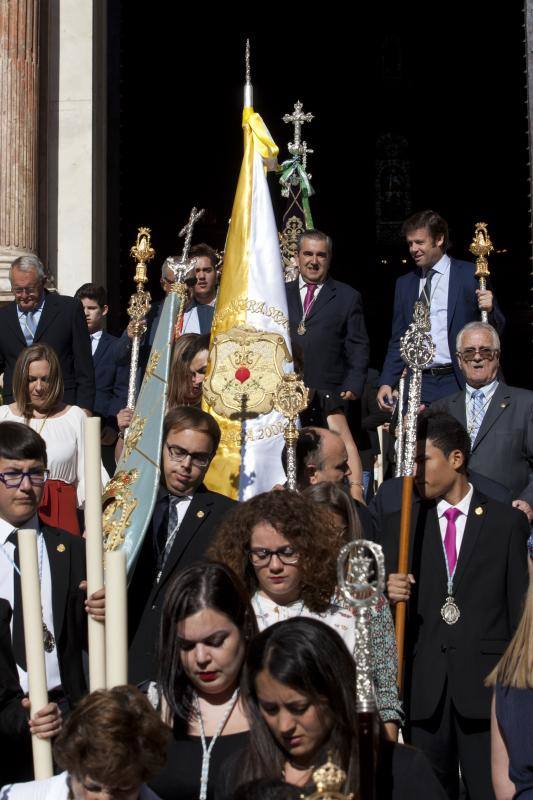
(403, 566)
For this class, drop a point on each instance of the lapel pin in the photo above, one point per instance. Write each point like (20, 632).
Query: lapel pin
(60, 548)
(200, 514)
(478, 510)
(503, 405)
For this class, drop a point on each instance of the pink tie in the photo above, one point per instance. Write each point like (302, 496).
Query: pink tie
(309, 295)
(450, 545)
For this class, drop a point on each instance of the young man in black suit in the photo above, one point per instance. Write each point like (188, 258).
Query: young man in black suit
(185, 518)
(465, 588)
(111, 377)
(62, 577)
(40, 316)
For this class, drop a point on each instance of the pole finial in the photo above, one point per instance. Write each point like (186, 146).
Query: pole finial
(248, 89)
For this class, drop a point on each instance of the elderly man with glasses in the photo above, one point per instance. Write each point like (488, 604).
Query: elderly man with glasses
(184, 520)
(498, 418)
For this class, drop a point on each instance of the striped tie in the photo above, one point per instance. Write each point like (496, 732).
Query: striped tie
(477, 413)
(29, 327)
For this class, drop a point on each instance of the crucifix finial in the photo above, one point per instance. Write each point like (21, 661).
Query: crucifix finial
(298, 117)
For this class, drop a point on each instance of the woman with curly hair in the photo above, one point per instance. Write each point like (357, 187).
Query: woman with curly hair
(284, 548)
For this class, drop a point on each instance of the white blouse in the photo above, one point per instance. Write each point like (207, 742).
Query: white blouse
(64, 437)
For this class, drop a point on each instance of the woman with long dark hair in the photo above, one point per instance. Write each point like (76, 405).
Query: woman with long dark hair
(299, 686)
(206, 627)
(284, 549)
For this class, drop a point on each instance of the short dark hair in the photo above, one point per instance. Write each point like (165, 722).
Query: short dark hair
(204, 250)
(436, 225)
(118, 721)
(20, 442)
(191, 418)
(200, 586)
(92, 291)
(444, 431)
(314, 233)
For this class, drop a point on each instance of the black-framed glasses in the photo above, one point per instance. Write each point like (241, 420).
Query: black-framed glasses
(13, 479)
(179, 454)
(469, 353)
(262, 556)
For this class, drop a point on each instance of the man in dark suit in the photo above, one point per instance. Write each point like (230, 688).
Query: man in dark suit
(449, 288)
(40, 316)
(62, 576)
(110, 375)
(326, 319)
(466, 584)
(185, 517)
(498, 418)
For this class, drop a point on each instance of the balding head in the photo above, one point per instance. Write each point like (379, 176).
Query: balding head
(320, 456)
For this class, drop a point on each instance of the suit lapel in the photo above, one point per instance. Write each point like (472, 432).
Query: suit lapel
(453, 294)
(102, 347)
(413, 292)
(13, 321)
(457, 407)
(474, 523)
(501, 399)
(48, 314)
(294, 301)
(59, 558)
(326, 293)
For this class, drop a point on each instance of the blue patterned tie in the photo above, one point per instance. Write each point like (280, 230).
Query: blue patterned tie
(477, 413)
(29, 327)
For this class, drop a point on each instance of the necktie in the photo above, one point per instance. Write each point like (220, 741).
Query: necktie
(425, 294)
(450, 537)
(309, 296)
(19, 649)
(29, 327)
(477, 413)
(172, 527)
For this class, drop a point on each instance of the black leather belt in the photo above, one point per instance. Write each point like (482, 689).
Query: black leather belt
(443, 369)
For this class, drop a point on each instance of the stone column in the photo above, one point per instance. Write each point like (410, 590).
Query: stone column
(19, 69)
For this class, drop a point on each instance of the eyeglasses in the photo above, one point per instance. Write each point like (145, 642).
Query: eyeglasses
(179, 454)
(469, 353)
(26, 289)
(262, 556)
(13, 480)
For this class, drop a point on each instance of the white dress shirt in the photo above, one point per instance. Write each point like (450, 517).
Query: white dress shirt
(95, 340)
(460, 522)
(22, 315)
(438, 309)
(7, 591)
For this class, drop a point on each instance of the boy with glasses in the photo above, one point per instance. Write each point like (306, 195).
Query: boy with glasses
(62, 577)
(185, 517)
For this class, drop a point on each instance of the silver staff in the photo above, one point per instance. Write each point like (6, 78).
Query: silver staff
(361, 580)
(418, 351)
(398, 471)
(183, 268)
(298, 118)
(291, 397)
(139, 306)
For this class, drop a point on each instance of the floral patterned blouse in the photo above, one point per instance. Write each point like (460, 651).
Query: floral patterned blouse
(342, 619)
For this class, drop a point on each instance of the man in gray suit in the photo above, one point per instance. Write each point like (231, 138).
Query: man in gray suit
(498, 418)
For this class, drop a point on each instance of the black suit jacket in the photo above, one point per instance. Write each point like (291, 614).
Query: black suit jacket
(503, 448)
(489, 587)
(15, 741)
(111, 380)
(145, 595)
(335, 343)
(62, 325)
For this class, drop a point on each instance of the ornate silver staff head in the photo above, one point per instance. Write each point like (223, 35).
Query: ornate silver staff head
(361, 573)
(182, 268)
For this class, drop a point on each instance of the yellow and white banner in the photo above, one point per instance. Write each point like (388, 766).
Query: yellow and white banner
(252, 293)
